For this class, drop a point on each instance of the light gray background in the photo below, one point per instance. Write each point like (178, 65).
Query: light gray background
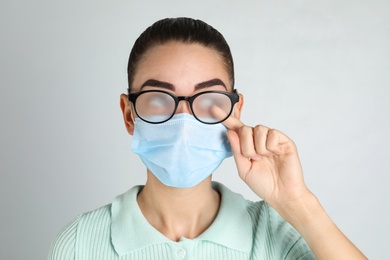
(317, 70)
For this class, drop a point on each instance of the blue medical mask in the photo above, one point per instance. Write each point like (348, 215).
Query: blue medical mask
(181, 152)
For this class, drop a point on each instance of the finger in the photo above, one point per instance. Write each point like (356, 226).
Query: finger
(245, 135)
(242, 162)
(278, 143)
(231, 123)
(260, 137)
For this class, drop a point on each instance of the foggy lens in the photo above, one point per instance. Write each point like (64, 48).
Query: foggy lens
(155, 106)
(211, 107)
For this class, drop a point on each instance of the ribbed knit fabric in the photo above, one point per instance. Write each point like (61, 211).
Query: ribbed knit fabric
(242, 230)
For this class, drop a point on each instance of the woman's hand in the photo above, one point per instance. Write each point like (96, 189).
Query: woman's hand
(267, 161)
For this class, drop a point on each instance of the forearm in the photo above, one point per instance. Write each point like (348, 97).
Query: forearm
(326, 241)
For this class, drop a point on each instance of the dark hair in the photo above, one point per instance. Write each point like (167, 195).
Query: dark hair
(186, 30)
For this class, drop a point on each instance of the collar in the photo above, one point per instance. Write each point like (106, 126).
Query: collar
(231, 228)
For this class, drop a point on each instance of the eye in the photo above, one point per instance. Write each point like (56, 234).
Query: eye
(158, 101)
(206, 101)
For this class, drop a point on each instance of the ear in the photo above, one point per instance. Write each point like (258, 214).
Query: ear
(238, 107)
(128, 119)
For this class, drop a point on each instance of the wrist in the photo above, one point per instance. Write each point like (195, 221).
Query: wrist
(310, 219)
(301, 212)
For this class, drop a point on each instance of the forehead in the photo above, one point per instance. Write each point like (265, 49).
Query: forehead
(181, 64)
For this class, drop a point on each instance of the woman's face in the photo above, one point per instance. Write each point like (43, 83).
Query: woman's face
(182, 69)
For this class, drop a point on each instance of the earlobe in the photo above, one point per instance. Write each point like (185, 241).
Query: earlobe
(238, 107)
(127, 117)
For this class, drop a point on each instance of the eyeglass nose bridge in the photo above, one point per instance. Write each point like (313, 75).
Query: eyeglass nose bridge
(188, 105)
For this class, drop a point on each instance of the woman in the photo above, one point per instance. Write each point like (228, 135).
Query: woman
(184, 115)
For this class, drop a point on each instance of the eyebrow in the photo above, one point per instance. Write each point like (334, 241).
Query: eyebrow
(156, 83)
(166, 85)
(210, 83)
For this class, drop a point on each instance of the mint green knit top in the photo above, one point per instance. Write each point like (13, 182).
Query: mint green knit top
(241, 230)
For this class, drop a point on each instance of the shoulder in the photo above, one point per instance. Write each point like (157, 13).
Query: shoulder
(273, 233)
(96, 219)
(97, 229)
(64, 246)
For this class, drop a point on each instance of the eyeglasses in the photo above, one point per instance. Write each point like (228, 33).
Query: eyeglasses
(157, 106)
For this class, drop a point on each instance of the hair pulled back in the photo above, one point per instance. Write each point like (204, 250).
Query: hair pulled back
(185, 30)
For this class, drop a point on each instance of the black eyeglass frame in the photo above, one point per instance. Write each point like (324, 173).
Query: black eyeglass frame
(234, 98)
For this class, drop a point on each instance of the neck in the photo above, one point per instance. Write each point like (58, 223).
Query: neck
(178, 212)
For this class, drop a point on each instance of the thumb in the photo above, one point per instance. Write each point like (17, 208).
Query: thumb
(243, 163)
